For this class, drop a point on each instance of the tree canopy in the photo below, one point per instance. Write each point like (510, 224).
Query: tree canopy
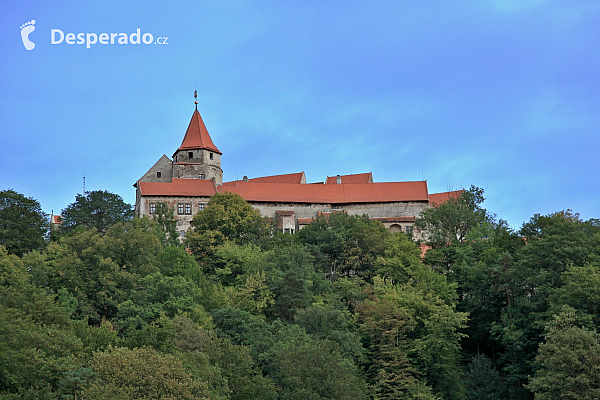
(23, 224)
(97, 209)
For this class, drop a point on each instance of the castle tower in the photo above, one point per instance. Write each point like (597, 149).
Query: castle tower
(197, 157)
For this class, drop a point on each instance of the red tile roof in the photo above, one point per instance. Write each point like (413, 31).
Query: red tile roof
(179, 187)
(196, 136)
(439, 198)
(329, 194)
(356, 178)
(296, 178)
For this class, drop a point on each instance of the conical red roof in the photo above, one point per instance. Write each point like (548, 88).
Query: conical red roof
(196, 136)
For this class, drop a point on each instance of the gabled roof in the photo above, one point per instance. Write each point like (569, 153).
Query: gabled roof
(356, 178)
(179, 187)
(296, 178)
(330, 194)
(439, 198)
(196, 136)
(164, 160)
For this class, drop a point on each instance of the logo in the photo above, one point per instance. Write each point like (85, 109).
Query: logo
(57, 36)
(26, 29)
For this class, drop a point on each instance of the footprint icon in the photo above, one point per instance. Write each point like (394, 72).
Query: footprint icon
(26, 29)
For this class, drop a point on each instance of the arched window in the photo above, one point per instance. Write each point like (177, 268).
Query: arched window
(395, 228)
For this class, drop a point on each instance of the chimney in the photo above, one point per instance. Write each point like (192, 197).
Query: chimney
(245, 178)
(339, 179)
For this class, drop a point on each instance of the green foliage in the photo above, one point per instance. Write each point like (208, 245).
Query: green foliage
(37, 344)
(411, 335)
(452, 220)
(401, 263)
(314, 369)
(145, 374)
(343, 309)
(253, 296)
(226, 218)
(133, 246)
(328, 323)
(229, 369)
(244, 329)
(235, 262)
(166, 224)
(173, 261)
(23, 224)
(290, 281)
(97, 209)
(569, 361)
(580, 290)
(343, 244)
(157, 295)
(78, 264)
(483, 381)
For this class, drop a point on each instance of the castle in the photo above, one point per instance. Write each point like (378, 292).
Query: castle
(187, 181)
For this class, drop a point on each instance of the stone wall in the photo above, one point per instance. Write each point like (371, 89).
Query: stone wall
(200, 163)
(164, 166)
(373, 210)
(183, 220)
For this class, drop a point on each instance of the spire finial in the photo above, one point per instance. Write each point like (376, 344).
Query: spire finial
(196, 101)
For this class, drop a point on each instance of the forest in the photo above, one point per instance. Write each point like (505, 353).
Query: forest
(108, 306)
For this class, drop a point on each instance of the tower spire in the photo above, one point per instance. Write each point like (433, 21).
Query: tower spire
(195, 99)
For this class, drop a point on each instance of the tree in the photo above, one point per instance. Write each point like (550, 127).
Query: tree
(23, 225)
(80, 264)
(228, 368)
(555, 243)
(413, 338)
(96, 209)
(580, 290)
(158, 295)
(483, 381)
(309, 369)
(146, 374)
(569, 361)
(226, 218)
(290, 281)
(343, 244)
(37, 343)
(452, 220)
(329, 323)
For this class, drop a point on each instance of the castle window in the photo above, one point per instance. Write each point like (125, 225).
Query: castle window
(152, 208)
(200, 207)
(158, 174)
(211, 156)
(188, 209)
(409, 230)
(182, 234)
(180, 209)
(190, 154)
(201, 176)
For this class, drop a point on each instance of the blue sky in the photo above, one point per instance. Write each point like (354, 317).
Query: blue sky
(504, 95)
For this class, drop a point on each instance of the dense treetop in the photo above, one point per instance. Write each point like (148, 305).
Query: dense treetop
(23, 224)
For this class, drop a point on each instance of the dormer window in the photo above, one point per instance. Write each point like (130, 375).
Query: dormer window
(190, 154)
